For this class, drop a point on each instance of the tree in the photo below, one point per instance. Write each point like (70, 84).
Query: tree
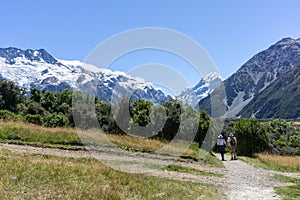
(251, 137)
(35, 95)
(50, 101)
(10, 96)
(55, 120)
(171, 127)
(284, 137)
(204, 122)
(105, 117)
(141, 112)
(122, 111)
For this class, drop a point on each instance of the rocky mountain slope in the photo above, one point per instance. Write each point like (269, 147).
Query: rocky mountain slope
(281, 99)
(261, 75)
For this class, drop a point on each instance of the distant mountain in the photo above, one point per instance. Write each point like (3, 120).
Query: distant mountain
(281, 99)
(249, 90)
(38, 69)
(192, 96)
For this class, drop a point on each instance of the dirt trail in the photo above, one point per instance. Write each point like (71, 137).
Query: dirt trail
(241, 180)
(130, 162)
(247, 182)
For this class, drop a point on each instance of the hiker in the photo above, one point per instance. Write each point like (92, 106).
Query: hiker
(221, 144)
(231, 142)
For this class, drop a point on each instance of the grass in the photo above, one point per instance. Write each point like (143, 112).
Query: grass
(296, 123)
(24, 176)
(23, 133)
(281, 163)
(289, 192)
(274, 162)
(177, 168)
(68, 138)
(135, 143)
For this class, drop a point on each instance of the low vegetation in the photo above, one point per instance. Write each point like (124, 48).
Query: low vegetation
(68, 138)
(177, 168)
(25, 176)
(289, 192)
(282, 163)
(276, 136)
(275, 162)
(24, 133)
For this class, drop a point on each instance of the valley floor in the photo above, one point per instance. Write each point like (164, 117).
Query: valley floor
(240, 180)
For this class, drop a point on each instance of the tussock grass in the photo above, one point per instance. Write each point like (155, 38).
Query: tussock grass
(24, 133)
(296, 123)
(136, 143)
(290, 163)
(275, 162)
(25, 176)
(30, 134)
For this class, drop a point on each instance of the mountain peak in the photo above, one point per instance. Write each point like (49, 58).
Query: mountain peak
(211, 76)
(191, 96)
(287, 41)
(12, 55)
(38, 69)
(255, 77)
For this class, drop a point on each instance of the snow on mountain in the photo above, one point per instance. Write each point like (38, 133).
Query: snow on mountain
(192, 96)
(38, 69)
(258, 73)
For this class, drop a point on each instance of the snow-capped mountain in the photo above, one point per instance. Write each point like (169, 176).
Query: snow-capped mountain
(38, 69)
(192, 96)
(249, 82)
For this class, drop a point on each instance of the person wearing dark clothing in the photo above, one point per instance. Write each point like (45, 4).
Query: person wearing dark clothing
(221, 144)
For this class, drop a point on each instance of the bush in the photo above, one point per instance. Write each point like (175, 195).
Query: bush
(251, 137)
(285, 138)
(9, 116)
(55, 120)
(34, 119)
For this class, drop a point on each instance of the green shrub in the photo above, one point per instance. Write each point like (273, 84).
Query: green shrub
(34, 119)
(55, 120)
(9, 116)
(251, 137)
(285, 138)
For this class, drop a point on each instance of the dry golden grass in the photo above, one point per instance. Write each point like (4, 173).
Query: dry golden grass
(38, 128)
(296, 123)
(280, 161)
(136, 142)
(26, 133)
(98, 140)
(25, 176)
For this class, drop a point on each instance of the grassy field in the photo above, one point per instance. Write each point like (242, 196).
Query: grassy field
(23, 133)
(177, 168)
(275, 162)
(289, 192)
(68, 138)
(281, 163)
(24, 176)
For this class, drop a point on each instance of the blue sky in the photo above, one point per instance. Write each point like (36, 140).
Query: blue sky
(230, 31)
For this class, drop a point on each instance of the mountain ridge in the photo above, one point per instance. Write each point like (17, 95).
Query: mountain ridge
(259, 72)
(38, 69)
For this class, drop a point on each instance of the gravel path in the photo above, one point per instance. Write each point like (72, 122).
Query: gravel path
(131, 162)
(247, 182)
(241, 180)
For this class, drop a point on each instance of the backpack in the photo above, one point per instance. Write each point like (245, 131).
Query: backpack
(232, 141)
